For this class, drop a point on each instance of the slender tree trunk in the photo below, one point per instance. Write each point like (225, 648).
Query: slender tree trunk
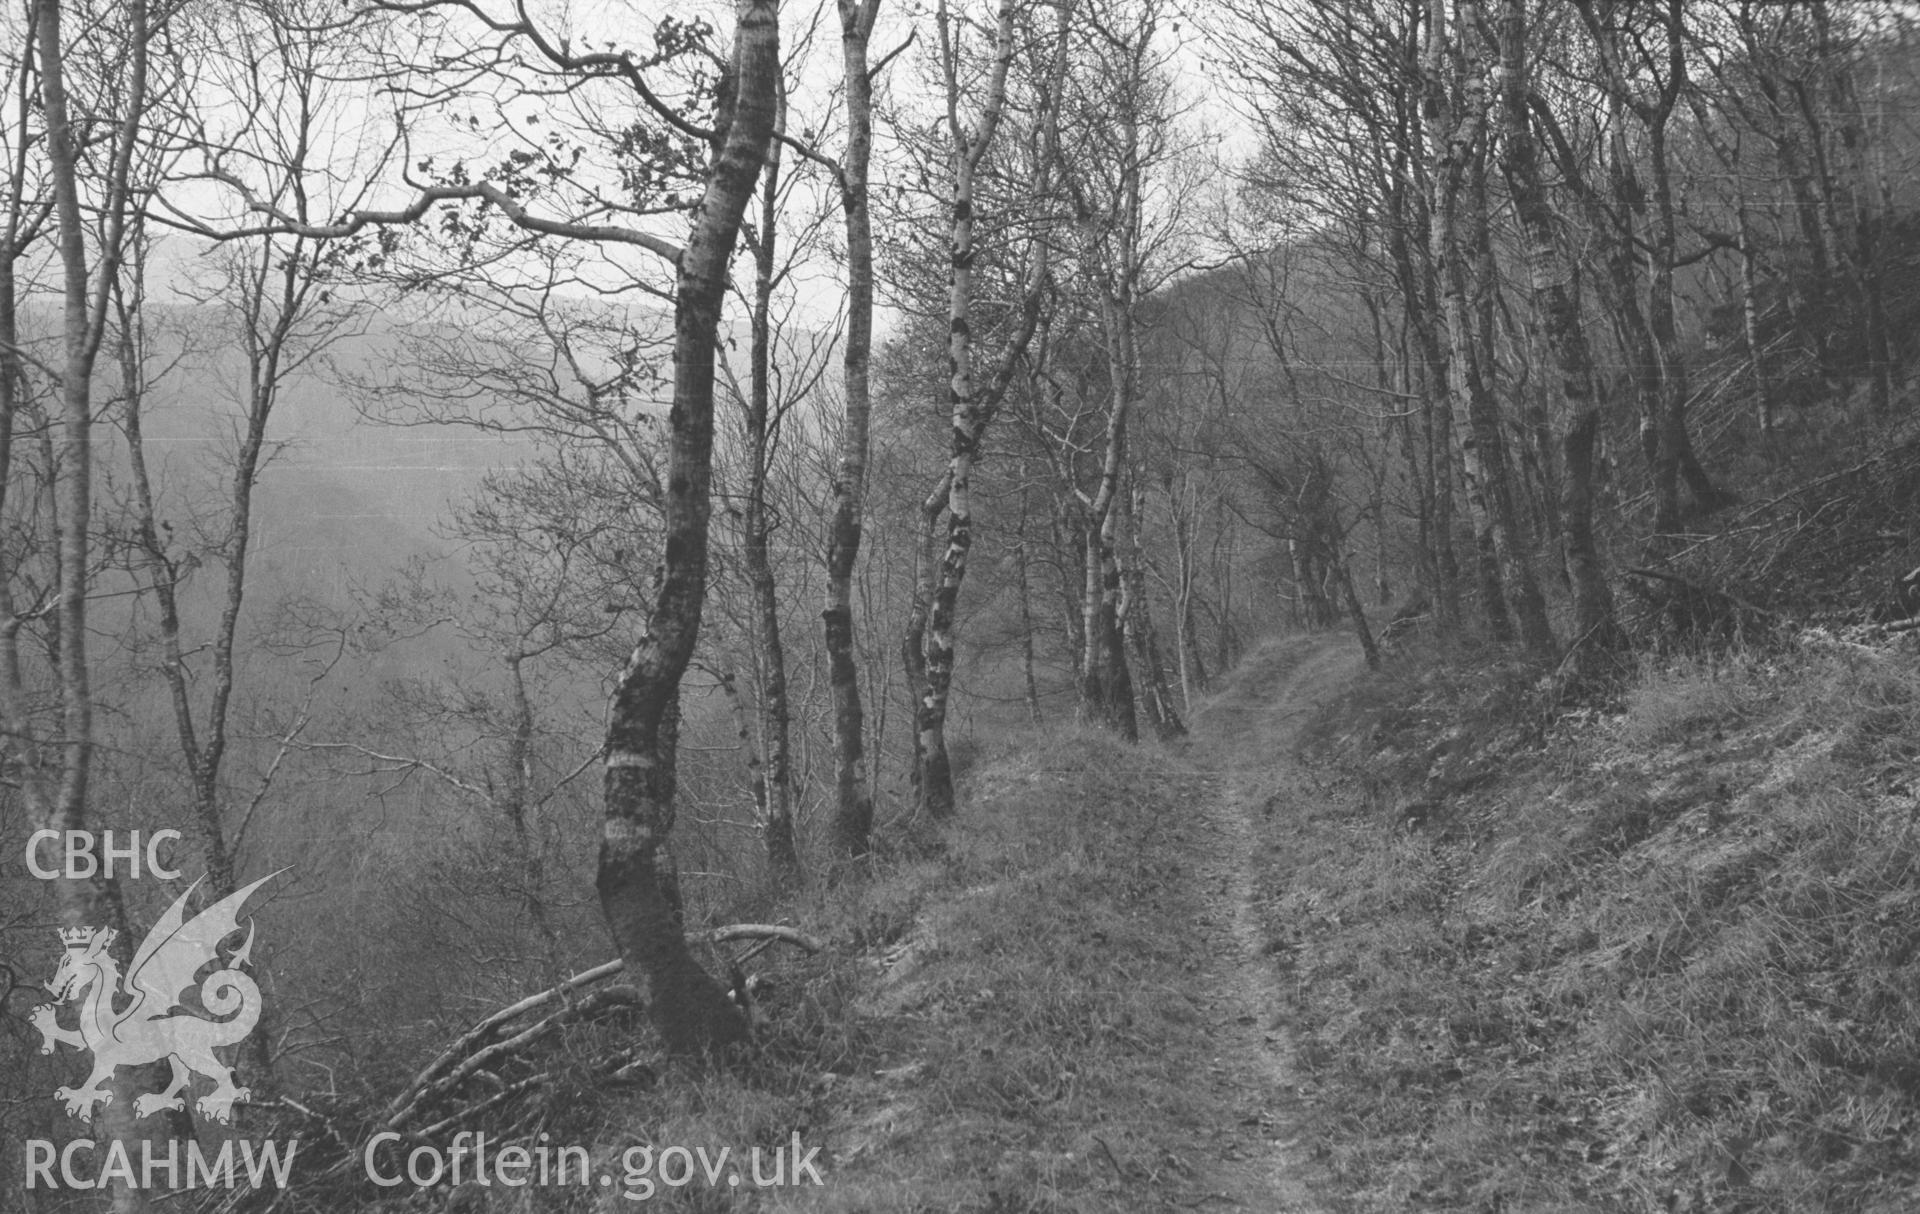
(1027, 625)
(1120, 712)
(1663, 386)
(1859, 252)
(1356, 614)
(1226, 645)
(1142, 638)
(1193, 669)
(853, 802)
(1098, 629)
(1489, 443)
(1420, 486)
(1676, 390)
(1750, 328)
(970, 407)
(743, 728)
(1377, 473)
(1106, 688)
(638, 881)
(1459, 150)
(516, 801)
(913, 648)
(1069, 542)
(1438, 413)
(1807, 293)
(1463, 385)
(1310, 601)
(268, 298)
(776, 801)
(202, 751)
(1863, 248)
(1430, 458)
(1114, 239)
(85, 295)
(969, 413)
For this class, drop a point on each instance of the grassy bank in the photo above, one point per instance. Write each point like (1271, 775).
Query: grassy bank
(1026, 1025)
(1013, 1015)
(1659, 954)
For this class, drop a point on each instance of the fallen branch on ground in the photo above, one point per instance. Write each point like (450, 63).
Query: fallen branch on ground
(475, 1063)
(490, 1040)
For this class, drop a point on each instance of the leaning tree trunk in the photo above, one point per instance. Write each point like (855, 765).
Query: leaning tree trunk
(638, 883)
(1356, 614)
(853, 799)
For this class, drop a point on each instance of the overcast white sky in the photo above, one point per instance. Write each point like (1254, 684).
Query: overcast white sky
(358, 118)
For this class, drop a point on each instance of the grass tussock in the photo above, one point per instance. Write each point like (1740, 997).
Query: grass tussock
(1666, 956)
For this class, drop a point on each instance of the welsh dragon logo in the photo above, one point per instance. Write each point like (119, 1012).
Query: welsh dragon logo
(152, 1023)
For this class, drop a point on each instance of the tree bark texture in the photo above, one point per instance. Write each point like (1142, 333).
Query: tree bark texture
(853, 798)
(638, 882)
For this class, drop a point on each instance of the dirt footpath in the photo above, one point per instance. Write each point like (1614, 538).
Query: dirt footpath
(1241, 748)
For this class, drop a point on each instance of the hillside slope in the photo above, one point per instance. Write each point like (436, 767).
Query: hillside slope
(1410, 940)
(1659, 953)
(1068, 1005)
(1419, 940)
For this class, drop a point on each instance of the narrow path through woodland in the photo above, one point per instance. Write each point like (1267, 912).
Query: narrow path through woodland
(1086, 1012)
(1242, 754)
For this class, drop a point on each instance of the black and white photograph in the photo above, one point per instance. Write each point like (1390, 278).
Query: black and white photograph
(960, 606)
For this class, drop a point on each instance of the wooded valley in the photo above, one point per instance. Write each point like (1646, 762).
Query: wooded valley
(589, 498)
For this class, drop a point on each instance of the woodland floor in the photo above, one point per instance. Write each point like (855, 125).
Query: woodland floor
(1419, 939)
(1101, 1024)
(1369, 942)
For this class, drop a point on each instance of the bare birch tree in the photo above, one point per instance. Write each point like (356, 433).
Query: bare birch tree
(971, 404)
(853, 797)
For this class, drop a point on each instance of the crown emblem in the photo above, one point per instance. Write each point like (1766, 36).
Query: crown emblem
(77, 937)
